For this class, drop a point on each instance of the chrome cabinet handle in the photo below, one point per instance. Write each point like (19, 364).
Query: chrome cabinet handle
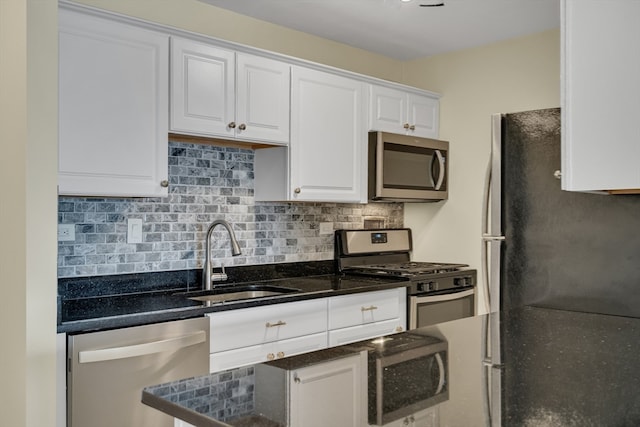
(270, 356)
(296, 379)
(370, 308)
(273, 325)
(441, 171)
(399, 329)
(232, 125)
(412, 127)
(280, 354)
(297, 190)
(406, 126)
(242, 126)
(164, 183)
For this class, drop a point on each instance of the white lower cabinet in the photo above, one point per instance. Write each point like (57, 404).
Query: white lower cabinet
(367, 315)
(258, 334)
(330, 393)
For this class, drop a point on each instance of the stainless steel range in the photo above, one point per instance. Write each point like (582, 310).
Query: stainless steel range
(437, 292)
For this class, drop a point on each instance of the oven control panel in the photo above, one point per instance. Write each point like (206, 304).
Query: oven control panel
(444, 282)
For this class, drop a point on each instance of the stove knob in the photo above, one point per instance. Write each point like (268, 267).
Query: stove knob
(458, 281)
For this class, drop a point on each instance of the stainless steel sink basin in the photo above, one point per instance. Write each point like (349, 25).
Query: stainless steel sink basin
(240, 292)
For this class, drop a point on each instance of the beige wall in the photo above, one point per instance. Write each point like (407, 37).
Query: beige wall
(28, 206)
(202, 18)
(517, 75)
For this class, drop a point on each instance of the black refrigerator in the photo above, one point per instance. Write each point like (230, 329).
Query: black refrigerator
(549, 253)
(553, 248)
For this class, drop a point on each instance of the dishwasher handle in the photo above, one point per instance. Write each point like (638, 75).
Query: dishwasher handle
(166, 345)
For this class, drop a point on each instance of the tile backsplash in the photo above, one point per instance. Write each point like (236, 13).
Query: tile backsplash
(206, 183)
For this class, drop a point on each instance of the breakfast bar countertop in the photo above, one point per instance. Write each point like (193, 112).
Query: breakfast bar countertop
(559, 368)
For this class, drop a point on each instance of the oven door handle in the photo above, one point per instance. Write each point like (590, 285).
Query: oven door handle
(441, 371)
(445, 297)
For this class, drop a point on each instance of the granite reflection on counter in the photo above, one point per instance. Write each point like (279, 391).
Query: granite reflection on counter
(219, 396)
(230, 398)
(560, 369)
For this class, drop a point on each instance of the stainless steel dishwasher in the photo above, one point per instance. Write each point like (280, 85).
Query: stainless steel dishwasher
(107, 370)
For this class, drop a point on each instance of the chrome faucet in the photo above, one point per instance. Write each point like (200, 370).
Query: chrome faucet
(208, 277)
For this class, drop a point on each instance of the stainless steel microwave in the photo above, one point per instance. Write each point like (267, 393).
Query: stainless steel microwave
(405, 168)
(407, 373)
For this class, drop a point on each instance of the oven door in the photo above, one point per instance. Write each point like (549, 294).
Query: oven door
(425, 310)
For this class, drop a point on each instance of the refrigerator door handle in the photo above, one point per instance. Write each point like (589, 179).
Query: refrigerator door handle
(492, 238)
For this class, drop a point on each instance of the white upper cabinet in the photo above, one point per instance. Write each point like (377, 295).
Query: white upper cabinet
(398, 111)
(326, 160)
(220, 93)
(113, 99)
(600, 95)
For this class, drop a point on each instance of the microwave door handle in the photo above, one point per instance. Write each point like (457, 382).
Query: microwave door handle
(441, 371)
(441, 170)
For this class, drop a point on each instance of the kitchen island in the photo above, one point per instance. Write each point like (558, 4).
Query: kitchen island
(558, 368)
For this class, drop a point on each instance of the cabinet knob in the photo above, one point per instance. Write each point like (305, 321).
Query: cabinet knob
(406, 126)
(399, 329)
(232, 125)
(270, 356)
(405, 422)
(280, 354)
(242, 126)
(412, 127)
(296, 379)
(164, 183)
(297, 190)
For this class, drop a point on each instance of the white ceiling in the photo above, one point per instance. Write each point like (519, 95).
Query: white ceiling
(405, 31)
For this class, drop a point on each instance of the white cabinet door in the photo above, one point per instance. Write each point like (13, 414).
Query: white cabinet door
(202, 88)
(328, 137)
(113, 115)
(600, 95)
(424, 115)
(216, 92)
(262, 99)
(396, 111)
(332, 393)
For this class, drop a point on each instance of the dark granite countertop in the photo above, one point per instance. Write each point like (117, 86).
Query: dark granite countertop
(107, 302)
(559, 369)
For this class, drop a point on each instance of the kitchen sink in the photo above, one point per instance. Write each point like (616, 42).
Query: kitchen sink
(239, 292)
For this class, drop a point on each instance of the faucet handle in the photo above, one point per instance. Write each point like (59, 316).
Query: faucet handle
(219, 277)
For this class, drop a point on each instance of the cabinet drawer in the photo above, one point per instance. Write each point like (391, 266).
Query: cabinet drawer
(264, 352)
(259, 325)
(363, 332)
(366, 307)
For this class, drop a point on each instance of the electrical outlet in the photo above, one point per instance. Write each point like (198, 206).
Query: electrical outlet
(134, 230)
(66, 232)
(326, 228)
